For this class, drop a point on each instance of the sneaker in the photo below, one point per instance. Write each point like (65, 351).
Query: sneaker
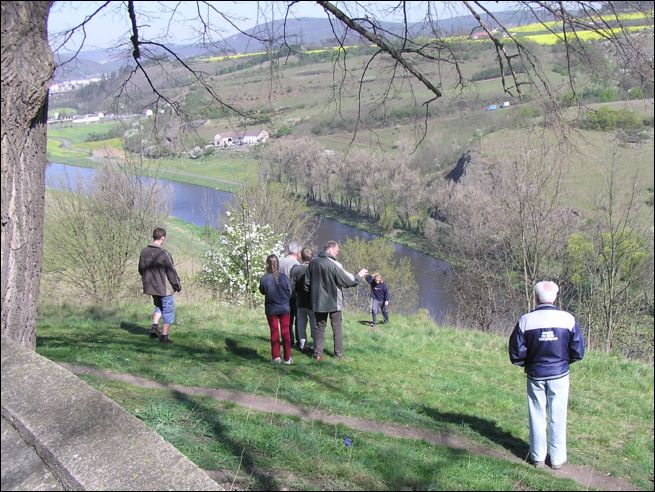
(164, 339)
(557, 467)
(154, 334)
(373, 327)
(277, 360)
(289, 362)
(539, 464)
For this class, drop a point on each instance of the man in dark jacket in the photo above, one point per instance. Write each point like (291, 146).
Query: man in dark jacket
(324, 280)
(303, 301)
(157, 272)
(545, 341)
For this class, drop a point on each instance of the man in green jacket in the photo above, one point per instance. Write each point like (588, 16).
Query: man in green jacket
(324, 280)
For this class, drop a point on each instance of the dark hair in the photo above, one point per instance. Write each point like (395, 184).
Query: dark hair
(158, 233)
(273, 266)
(329, 245)
(306, 254)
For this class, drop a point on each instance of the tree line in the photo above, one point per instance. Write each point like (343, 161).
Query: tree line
(504, 229)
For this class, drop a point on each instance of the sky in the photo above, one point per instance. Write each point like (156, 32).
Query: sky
(111, 27)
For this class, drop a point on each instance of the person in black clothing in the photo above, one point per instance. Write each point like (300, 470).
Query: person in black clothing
(379, 297)
(275, 286)
(303, 300)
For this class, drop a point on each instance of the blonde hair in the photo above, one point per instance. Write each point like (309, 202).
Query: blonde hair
(378, 278)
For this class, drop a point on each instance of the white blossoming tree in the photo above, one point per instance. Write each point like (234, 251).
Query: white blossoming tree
(235, 264)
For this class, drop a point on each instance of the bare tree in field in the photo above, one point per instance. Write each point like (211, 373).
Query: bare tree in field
(27, 70)
(96, 229)
(507, 226)
(609, 266)
(527, 190)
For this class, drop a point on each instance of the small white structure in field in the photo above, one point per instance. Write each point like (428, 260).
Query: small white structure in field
(505, 104)
(230, 139)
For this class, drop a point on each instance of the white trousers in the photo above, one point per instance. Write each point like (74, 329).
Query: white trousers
(547, 406)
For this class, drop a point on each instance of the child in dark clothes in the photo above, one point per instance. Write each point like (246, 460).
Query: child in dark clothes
(379, 297)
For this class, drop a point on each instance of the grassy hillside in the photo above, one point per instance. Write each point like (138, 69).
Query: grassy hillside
(410, 373)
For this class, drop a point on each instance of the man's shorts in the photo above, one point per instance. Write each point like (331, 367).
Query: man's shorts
(164, 305)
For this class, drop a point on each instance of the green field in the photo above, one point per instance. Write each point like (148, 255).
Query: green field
(221, 170)
(410, 373)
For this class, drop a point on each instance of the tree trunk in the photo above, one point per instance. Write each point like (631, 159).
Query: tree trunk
(27, 70)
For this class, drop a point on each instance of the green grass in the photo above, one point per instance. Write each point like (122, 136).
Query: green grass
(222, 170)
(272, 451)
(410, 373)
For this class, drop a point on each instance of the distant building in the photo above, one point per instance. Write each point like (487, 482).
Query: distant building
(71, 85)
(482, 34)
(227, 139)
(231, 139)
(252, 137)
(88, 118)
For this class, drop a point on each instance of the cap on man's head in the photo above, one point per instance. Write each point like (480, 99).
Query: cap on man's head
(546, 291)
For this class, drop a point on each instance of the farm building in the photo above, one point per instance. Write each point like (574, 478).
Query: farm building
(231, 139)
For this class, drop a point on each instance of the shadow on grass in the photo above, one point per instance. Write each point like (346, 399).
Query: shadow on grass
(232, 346)
(365, 322)
(484, 427)
(135, 329)
(248, 464)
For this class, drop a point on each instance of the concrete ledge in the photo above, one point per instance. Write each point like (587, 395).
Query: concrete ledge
(88, 441)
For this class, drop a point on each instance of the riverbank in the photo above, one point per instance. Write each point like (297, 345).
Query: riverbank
(411, 239)
(205, 174)
(202, 206)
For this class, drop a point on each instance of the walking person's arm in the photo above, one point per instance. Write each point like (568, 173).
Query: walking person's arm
(171, 273)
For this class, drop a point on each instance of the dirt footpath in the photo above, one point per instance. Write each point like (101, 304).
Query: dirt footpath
(585, 476)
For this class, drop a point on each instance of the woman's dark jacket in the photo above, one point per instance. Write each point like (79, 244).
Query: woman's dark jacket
(277, 294)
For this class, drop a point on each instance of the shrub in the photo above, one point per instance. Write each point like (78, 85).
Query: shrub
(606, 119)
(283, 131)
(235, 264)
(378, 256)
(95, 230)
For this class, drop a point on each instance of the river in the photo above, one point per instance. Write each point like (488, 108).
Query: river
(189, 203)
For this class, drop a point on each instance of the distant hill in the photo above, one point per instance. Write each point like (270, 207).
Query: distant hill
(89, 63)
(303, 32)
(319, 32)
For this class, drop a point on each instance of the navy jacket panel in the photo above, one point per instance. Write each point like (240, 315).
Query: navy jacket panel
(277, 294)
(545, 341)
